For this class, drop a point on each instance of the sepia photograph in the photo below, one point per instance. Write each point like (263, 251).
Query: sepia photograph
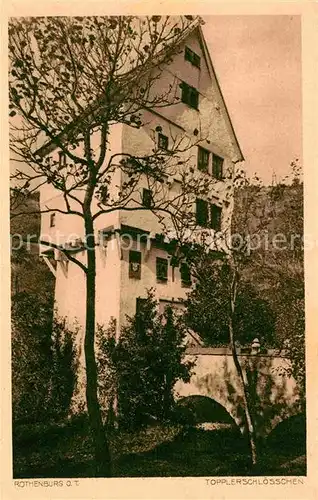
(157, 247)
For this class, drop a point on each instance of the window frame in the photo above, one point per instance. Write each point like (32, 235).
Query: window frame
(185, 282)
(187, 94)
(192, 57)
(202, 167)
(147, 203)
(52, 219)
(165, 139)
(162, 261)
(217, 216)
(198, 212)
(62, 159)
(134, 258)
(217, 167)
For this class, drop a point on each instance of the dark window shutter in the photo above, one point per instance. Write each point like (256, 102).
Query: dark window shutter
(203, 159)
(147, 198)
(163, 141)
(189, 95)
(195, 60)
(185, 274)
(216, 214)
(52, 220)
(162, 269)
(188, 54)
(134, 264)
(62, 159)
(202, 212)
(192, 57)
(217, 167)
(194, 98)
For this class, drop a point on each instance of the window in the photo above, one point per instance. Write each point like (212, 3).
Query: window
(203, 159)
(147, 199)
(192, 57)
(52, 220)
(162, 269)
(216, 215)
(190, 95)
(134, 264)
(163, 141)
(208, 215)
(185, 274)
(202, 213)
(62, 159)
(217, 167)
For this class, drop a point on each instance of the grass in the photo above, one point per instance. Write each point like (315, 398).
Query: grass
(65, 451)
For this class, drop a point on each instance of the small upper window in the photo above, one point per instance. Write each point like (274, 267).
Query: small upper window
(162, 269)
(163, 141)
(52, 220)
(62, 159)
(147, 200)
(189, 95)
(134, 264)
(192, 57)
(203, 159)
(217, 167)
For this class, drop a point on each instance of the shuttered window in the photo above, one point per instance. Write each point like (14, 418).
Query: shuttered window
(162, 269)
(134, 264)
(202, 213)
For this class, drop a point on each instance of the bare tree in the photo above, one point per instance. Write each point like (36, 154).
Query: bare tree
(71, 80)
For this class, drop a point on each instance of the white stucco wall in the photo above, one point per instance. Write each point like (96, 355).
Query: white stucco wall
(116, 293)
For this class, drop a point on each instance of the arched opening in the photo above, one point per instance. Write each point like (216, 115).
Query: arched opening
(204, 410)
(289, 435)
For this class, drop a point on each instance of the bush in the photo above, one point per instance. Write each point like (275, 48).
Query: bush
(144, 366)
(43, 361)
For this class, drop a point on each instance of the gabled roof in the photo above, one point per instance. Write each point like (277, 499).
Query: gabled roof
(213, 76)
(193, 26)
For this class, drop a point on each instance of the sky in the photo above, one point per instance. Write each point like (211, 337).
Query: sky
(257, 60)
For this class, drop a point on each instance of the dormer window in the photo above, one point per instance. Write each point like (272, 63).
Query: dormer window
(163, 141)
(192, 57)
(189, 95)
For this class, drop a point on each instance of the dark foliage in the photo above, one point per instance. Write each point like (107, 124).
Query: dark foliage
(208, 306)
(43, 361)
(146, 362)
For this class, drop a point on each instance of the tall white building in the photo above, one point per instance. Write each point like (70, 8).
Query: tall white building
(129, 265)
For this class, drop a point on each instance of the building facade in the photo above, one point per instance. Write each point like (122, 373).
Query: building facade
(133, 254)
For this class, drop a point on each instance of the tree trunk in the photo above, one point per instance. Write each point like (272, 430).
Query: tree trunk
(247, 409)
(250, 428)
(98, 433)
